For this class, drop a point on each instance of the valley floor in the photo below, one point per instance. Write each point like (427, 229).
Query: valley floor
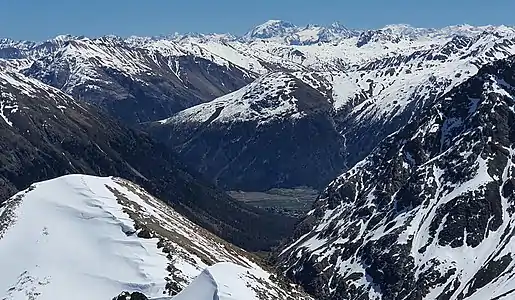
(294, 202)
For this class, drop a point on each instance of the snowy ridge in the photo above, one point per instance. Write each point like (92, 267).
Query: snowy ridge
(110, 234)
(345, 53)
(85, 56)
(44, 234)
(386, 86)
(268, 98)
(350, 49)
(429, 213)
(227, 281)
(11, 49)
(15, 65)
(28, 86)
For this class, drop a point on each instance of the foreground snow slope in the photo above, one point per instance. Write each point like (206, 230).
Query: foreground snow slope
(91, 238)
(228, 281)
(70, 234)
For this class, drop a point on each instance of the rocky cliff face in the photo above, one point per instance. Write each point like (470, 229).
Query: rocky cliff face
(429, 213)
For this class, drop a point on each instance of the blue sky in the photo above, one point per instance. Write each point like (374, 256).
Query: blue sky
(42, 19)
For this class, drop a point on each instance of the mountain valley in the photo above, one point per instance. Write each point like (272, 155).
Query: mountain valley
(46, 133)
(293, 162)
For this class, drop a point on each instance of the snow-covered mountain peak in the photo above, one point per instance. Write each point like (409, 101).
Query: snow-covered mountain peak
(220, 38)
(140, 41)
(33, 49)
(394, 33)
(10, 43)
(472, 31)
(63, 38)
(399, 27)
(340, 28)
(287, 33)
(111, 38)
(338, 25)
(84, 57)
(312, 25)
(271, 24)
(407, 31)
(271, 29)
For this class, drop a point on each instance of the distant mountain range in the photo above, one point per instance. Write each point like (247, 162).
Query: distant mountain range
(373, 80)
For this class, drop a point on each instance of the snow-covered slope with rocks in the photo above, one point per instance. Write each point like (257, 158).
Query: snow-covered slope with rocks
(289, 113)
(383, 94)
(11, 49)
(270, 97)
(427, 215)
(136, 84)
(92, 237)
